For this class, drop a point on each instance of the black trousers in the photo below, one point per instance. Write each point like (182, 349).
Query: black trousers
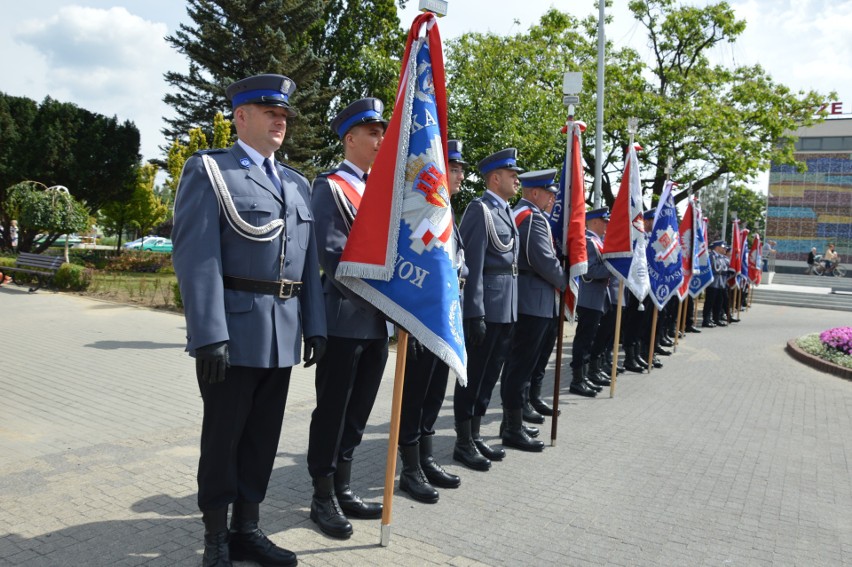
(422, 395)
(347, 381)
(606, 333)
(584, 336)
(690, 311)
(631, 326)
(484, 363)
(711, 298)
(548, 342)
(239, 434)
(526, 347)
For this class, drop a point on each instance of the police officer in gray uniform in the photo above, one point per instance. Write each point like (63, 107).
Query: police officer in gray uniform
(592, 302)
(426, 384)
(348, 379)
(540, 276)
(490, 302)
(717, 291)
(246, 261)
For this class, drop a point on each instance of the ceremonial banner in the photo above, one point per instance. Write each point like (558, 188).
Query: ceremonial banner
(755, 262)
(736, 247)
(568, 218)
(687, 243)
(702, 275)
(743, 278)
(665, 263)
(624, 244)
(400, 254)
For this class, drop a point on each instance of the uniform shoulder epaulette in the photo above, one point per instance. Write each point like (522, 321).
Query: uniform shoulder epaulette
(211, 151)
(326, 173)
(290, 167)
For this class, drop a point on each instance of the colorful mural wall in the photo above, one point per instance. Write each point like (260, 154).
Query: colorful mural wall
(813, 208)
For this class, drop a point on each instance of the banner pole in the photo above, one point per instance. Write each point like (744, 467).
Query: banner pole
(615, 340)
(680, 312)
(393, 438)
(557, 373)
(653, 338)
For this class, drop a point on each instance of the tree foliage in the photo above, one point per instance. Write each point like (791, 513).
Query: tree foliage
(748, 206)
(42, 210)
(710, 118)
(141, 213)
(335, 51)
(57, 143)
(179, 152)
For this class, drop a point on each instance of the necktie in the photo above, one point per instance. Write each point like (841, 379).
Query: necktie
(267, 167)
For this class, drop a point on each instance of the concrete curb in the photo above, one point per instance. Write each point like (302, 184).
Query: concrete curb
(816, 362)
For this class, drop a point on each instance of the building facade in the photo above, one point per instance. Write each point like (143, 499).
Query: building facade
(814, 208)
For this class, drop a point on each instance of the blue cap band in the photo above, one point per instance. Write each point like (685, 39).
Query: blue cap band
(258, 96)
(356, 119)
(508, 162)
(455, 156)
(536, 182)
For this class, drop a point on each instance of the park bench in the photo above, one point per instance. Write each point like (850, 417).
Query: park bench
(37, 266)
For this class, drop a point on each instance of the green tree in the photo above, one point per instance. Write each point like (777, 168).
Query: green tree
(41, 210)
(232, 39)
(57, 143)
(141, 213)
(748, 205)
(197, 140)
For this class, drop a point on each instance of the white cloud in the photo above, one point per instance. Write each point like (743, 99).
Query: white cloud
(108, 61)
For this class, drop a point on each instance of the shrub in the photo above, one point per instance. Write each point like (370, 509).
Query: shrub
(177, 296)
(7, 261)
(138, 261)
(72, 277)
(813, 345)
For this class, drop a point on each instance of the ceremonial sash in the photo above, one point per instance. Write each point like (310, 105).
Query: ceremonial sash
(351, 193)
(521, 215)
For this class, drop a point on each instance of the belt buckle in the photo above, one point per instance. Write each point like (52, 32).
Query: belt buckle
(514, 269)
(289, 286)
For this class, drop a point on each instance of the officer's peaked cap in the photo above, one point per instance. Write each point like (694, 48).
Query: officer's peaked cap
(716, 243)
(363, 111)
(504, 159)
(541, 179)
(602, 213)
(269, 90)
(454, 152)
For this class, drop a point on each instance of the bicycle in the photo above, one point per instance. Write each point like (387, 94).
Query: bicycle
(838, 270)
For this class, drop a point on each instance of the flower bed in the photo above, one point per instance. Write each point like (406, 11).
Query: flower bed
(833, 345)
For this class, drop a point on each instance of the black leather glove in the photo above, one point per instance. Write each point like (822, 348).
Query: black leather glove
(314, 350)
(415, 348)
(474, 330)
(211, 362)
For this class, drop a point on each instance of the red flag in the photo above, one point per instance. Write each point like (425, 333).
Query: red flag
(574, 237)
(755, 262)
(736, 247)
(687, 240)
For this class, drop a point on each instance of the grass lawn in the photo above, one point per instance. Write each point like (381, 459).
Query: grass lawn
(150, 290)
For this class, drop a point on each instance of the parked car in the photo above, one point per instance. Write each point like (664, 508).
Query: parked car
(152, 243)
(72, 239)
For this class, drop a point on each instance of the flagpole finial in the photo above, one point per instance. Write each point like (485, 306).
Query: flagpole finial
(437, 7)
(632, 125)
(669, 166)
(572, 84)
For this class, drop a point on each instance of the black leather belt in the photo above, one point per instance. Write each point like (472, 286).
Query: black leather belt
(285, 289)
(508, 271)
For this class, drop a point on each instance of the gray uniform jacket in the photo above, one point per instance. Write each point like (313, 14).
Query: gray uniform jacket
(721, 269)
(540, 273)
(347, 315)
(263, 331)
(491, 289)
(594, 286)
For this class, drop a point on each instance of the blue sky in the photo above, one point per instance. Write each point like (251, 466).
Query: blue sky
(109, 56)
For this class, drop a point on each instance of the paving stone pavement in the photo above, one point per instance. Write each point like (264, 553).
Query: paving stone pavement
(732, 455)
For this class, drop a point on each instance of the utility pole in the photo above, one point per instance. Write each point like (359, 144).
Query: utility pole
(599, 117)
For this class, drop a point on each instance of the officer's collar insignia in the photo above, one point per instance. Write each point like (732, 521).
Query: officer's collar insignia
(245, 162)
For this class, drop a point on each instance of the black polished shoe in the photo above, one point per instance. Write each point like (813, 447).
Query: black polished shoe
(326, 512)
(412, 479)
(465, 450)
(255, 546)
(216, 553)
(662, 352)
(592, 386)
(721, 324)
(514, 435)
(487, 451)
(666, 342)
(537, 402)
(531, 431)
(582, 389)
(434, 472)
(352, 504)
(693, 329)
(656, 362)
(530, 415)
(708, 324)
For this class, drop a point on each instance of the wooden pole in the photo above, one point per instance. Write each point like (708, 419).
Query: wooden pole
(393, 438)
(680, 311)
(614, 372)
(653, 338)
(557, 373)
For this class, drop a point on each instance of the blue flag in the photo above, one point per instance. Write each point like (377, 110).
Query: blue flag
(400, 255)
(702, 271)
(665, 263)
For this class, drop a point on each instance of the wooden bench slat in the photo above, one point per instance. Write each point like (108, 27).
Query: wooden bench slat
(38, 265)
